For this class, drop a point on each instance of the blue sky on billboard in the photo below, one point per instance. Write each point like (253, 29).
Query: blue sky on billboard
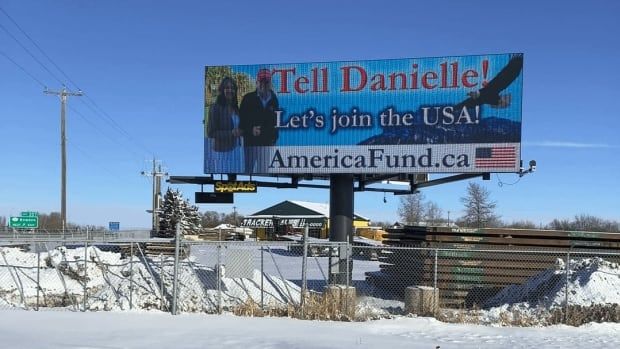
(141, 66)
(367, 86)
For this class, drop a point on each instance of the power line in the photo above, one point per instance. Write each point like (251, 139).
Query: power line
(90, 157)
(23, 69)
(30, 53)
(106, 117)
(81, 115)
(98, 130)
(38, 47)
(100, 113)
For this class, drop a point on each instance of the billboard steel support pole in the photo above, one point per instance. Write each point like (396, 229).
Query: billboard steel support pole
(340, 222)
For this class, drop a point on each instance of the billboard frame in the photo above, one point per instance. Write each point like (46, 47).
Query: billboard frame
(438, 166)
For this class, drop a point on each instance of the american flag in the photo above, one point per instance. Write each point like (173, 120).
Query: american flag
(495, 157)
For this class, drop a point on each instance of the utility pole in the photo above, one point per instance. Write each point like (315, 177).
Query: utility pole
(235, 216)
(63, 150)
(156, 174)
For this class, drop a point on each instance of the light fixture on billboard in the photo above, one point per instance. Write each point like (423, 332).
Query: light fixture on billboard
(532, 168)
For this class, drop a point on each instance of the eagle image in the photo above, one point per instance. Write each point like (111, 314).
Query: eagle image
(490, 94)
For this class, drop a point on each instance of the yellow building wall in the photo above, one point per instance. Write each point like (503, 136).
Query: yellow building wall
(360, 224)
(356, 224)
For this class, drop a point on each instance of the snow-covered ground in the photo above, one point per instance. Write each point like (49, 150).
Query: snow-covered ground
(130, 330)
(271, 275)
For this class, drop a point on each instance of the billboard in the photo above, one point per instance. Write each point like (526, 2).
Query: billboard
(415, 115)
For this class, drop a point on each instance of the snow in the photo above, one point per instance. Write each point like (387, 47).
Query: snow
(590, 281)
(116, 283)
(109, 285)
(134, 319)
(44, 330)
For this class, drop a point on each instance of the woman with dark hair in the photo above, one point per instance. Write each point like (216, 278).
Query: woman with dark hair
(223, 128)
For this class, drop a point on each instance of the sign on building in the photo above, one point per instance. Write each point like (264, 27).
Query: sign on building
(114, 226)
(457, 114)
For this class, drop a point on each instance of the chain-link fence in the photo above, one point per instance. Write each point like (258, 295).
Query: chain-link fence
(504, 285)
(80, 234)
(312, 280)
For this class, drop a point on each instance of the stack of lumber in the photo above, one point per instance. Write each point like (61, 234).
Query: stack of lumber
(165, 248)
(464, 269)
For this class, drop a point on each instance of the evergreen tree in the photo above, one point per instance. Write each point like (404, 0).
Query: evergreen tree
(175, 210)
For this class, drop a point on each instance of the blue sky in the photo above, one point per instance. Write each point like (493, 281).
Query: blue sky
(141, 66)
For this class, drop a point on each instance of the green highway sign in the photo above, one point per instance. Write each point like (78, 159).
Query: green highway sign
(24, 222)
(29, 214)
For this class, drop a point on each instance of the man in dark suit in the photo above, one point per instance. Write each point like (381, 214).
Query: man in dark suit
(258, 123)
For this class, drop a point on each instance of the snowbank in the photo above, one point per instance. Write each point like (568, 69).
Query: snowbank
(590, 281)
(111, 282)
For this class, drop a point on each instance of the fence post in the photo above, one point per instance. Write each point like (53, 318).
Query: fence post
(175, 277)
(435, 267)
(219, 275)
(349, 261)
(15, 278)
(304, 266)
(566, 288)
(130, 275)
(85, 273)
(262, 278)
(38, 276)
(161, 281)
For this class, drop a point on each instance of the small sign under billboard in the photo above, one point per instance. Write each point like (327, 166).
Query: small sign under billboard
(234, 187)
(213, 198)
(420, 115)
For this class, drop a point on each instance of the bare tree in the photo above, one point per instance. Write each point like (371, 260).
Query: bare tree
(382, 224)
(479, 208)
(522, 224)
(232, 218)
(585, 222)
(211, 219)
(560, 224)
(433, 213)
(411, 208)
(50, 221)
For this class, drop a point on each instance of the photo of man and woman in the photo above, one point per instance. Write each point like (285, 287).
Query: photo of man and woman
(237, 135)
